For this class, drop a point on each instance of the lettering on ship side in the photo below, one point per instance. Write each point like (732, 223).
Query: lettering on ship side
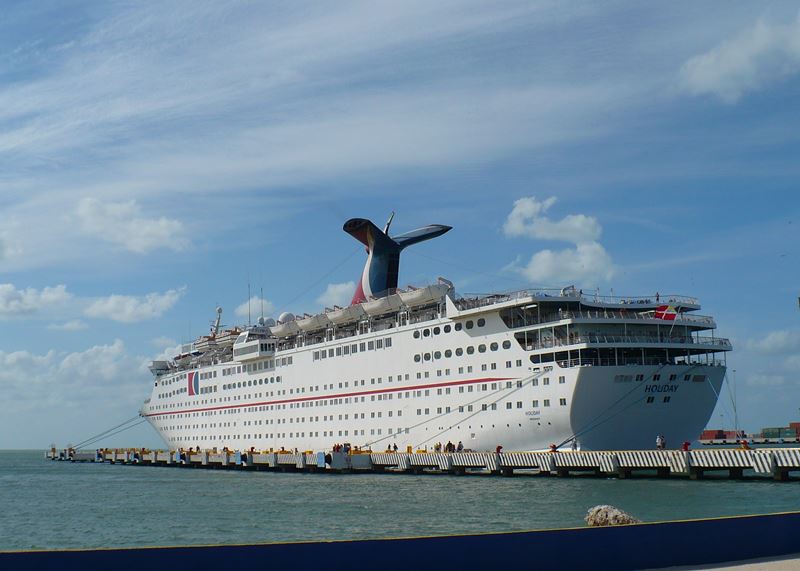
(661, 388)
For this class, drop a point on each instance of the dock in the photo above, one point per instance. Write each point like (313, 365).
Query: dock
(776, 463)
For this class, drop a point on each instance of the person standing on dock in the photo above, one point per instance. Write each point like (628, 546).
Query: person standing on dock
(660, 442)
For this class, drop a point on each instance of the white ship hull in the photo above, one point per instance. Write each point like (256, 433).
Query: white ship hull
(377, 398)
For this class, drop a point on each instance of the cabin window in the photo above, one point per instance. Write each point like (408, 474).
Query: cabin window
(481, 322)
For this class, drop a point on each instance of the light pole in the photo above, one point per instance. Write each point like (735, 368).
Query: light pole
(735, 412)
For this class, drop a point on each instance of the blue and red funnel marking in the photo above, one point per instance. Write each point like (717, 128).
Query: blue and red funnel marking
(383, 254)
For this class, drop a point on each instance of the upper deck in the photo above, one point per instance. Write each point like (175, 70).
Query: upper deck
(521, 309)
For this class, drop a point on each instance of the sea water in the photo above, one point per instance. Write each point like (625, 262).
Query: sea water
(48, 504)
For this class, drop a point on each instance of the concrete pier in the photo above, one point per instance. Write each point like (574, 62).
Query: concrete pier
(696, 464)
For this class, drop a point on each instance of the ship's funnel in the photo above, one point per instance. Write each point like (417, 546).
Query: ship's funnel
(383, 254)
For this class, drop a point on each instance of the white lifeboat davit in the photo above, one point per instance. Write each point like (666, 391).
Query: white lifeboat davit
(342, 315)
(423, 296)
(313, 322)
(383, 305)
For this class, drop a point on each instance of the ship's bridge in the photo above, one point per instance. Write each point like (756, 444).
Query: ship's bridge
(253, 344)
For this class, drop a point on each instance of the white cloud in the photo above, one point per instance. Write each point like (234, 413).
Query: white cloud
(255, 307)
(71, 325)
(776, 342)
(15, 301)
(792, 363)
(761, 380)
(167, 354)
(57, 379)
(129, 309)
(122, 223)
(586, 263)
(526, 219)
(755, 58)
(337, 294)
(161, 342)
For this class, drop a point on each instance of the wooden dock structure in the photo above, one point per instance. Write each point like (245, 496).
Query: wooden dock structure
(776, 463)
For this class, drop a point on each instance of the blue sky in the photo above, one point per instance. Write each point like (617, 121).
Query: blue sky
(155, 158)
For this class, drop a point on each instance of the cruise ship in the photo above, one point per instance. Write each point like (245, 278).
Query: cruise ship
(419, 367)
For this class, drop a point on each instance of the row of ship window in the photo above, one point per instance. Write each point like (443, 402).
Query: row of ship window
(257, 366)
(352, 349)
(447, 328)
(300, 420)
(657, 377)
(494, 346)
(408, 394)
(346, 384)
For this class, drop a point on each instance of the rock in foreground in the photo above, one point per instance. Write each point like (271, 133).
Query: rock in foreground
(602, 516)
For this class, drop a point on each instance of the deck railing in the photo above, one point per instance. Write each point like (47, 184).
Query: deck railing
(722, 343)
(472, 301)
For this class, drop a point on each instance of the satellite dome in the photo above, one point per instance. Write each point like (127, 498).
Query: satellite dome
(269, 322)
(285, 317)
(261, 321)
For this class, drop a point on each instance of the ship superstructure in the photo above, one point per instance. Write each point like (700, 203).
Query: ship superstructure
(421, 366)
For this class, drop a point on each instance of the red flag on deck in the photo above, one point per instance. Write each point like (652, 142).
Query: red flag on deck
(666, 312)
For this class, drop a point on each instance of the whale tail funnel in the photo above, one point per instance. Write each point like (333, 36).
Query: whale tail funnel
(383, 254)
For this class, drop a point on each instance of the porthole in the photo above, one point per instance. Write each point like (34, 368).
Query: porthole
(481, 348)
(459, 352)
(469, 324)
(436, 331)
(481, 322)
(506, 344)
(416, 334)
(494, 346)
(437, 355)
(427, 356)
(470, 350)
(417, 358)
(447, 329)
(448, 353)
(458, 326)
(426, 333)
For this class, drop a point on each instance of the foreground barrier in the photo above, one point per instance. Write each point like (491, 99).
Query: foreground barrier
(638, 546)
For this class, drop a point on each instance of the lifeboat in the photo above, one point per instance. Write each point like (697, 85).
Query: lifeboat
(313, 322)
(383, 305)
(423, 296)
(341, 315)
(285, 329)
